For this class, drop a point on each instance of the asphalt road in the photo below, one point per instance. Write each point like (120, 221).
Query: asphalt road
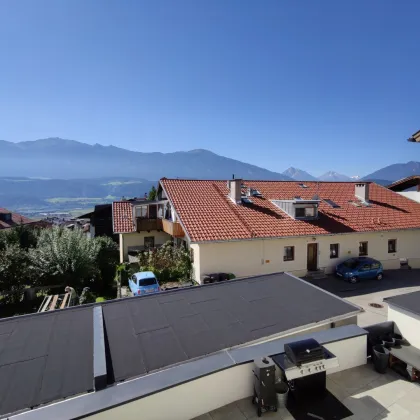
(395, 282)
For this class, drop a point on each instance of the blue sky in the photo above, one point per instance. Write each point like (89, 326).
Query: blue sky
(318, 85)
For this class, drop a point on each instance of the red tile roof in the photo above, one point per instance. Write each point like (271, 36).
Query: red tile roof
(16, 219)
(208, 214)
(405, 183)
(122, 217)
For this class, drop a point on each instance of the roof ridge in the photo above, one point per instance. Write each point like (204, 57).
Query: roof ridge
(270, 180)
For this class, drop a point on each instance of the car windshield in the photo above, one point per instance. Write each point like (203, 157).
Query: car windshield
(350, 264)
(147, 282)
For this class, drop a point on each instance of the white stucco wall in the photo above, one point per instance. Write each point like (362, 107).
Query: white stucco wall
(198, 397)
(407, 323)
(350, 353)
(137, 239)
(412, 195)
(254, 257)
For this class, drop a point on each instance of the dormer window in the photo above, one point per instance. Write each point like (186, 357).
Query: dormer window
(299, 208)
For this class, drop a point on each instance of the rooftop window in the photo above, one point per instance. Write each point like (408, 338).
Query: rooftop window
(331, 203)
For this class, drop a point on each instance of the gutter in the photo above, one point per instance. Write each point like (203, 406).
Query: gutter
(264, 238)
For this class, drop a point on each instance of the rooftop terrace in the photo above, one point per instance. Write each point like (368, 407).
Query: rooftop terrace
(366, 393)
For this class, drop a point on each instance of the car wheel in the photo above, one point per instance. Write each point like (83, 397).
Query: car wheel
(353, 280)
(379, 276)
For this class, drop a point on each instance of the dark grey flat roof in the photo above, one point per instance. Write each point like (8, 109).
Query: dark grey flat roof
(152, 332)
(144, 386)
(45, 357)
(51, 356)
(409, 302)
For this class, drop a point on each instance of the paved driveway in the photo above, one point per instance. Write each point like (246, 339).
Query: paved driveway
(395, 282)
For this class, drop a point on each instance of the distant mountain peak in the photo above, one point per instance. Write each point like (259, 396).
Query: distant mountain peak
(334, 177)
(298, 174)
(396, 171)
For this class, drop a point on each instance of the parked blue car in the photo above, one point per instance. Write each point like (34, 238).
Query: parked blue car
(143, 283)
(359, 268)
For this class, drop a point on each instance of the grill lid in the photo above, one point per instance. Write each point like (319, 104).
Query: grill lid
(304, 351)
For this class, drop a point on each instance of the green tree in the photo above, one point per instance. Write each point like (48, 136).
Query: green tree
(106, 261)
(152, 194)
(22, 235)
(15, 272)
(65, 256)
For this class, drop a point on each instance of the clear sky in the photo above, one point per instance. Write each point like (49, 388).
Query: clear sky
(319, 85)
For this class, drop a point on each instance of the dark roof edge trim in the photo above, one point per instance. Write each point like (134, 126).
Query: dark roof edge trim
(402, 307)
(99, 355)
(357, 308)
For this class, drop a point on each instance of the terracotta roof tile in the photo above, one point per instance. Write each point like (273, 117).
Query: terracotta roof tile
(17, 219)
(208, 215)
(122, 217)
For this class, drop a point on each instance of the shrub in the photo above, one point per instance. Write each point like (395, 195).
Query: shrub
(168, 263)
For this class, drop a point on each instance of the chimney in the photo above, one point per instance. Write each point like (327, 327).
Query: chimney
(361, 191)
(235, 190)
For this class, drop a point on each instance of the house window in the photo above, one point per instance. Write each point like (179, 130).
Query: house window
(333, 250)
(392, 246)
(7, 217)
(301, 212)
(141, 211)
(289, 253)
(149, 242)
(363, 249)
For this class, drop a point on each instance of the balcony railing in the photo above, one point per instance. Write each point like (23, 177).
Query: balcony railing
(144, 224)
(172, 228)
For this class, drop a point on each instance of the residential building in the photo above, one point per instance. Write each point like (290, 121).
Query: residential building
(145, 224)
(408, 187)
(415, 138)
(261, 227)
(9, 219)
(171, 355)
(100, 221)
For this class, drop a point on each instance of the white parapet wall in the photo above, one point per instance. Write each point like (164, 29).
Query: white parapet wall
(407, 323)
(210, 392)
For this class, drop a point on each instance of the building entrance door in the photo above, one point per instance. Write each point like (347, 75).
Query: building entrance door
(312, 264)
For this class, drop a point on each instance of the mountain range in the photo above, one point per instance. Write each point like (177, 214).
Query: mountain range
(56, 173)
(69, 159)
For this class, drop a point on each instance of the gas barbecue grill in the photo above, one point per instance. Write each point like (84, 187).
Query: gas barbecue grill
(304, 365)
(303, 358)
